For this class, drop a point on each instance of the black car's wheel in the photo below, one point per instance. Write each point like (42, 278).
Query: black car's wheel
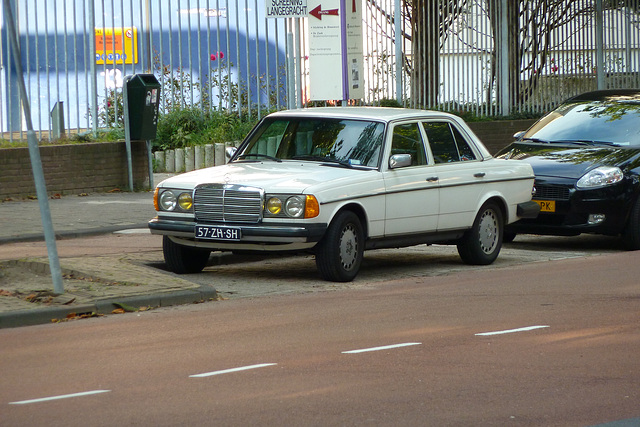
(183, 259)
(482, 243)
(339, 253)
(631, 233)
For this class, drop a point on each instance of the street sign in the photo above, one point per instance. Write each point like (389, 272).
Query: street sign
(116, 45)
(286, 8)
(335, 50)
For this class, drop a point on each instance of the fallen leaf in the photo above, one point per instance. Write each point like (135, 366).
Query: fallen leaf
(118, 311)
(125, 307)
(115, 190)
(82, 195)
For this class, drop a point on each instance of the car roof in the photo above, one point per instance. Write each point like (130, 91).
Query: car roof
(608, 95)
(387, 114)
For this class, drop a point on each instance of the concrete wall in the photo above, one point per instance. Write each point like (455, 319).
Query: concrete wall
(74, 168)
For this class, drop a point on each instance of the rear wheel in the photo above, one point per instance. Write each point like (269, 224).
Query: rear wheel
(340, 252)
(631, 233)
(183, 259)
(482, 243)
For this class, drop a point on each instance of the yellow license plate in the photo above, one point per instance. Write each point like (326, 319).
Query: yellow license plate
(546, 205)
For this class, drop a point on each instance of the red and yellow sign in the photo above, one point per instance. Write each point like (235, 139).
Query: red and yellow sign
(117, 45)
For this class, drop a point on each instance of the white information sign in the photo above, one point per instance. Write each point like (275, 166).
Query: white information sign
(286, 8)
(335, 50)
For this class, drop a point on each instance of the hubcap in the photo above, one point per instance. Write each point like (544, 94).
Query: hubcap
(488, 232)
(348, 247)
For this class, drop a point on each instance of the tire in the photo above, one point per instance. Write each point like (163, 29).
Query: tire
(631, 233)
(340, 252)
(183, 259)
(482, 243)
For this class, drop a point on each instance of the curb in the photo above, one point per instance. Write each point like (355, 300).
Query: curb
(38, 316)
(70, 234)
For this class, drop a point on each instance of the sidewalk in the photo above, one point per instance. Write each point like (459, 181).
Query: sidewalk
(93, 284)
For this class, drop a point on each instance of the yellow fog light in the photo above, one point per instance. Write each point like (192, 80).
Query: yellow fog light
(312, 207)
(274, 205)
(185, 201)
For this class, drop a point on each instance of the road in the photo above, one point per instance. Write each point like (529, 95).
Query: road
(551, 343)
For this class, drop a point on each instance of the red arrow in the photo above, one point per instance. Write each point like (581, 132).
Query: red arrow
(318, 12)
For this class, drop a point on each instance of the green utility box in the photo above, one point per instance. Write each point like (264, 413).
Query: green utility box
(142, 95)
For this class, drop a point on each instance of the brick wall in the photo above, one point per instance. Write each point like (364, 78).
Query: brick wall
(74, 168)
(496, 135)
(101, 167)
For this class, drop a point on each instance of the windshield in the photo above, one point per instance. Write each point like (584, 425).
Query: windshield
(598, 122)
(347, 142)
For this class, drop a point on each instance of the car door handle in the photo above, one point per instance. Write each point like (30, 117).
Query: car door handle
(432, 179)
(479, 175)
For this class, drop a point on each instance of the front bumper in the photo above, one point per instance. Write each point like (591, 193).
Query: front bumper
(269, 234)
(572, 213)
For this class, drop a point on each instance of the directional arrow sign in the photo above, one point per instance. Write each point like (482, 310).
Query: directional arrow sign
(318, 12)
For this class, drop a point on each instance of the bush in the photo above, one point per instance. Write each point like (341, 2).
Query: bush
(193, 126)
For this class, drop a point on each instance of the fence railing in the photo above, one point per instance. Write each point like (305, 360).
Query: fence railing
(227, 55)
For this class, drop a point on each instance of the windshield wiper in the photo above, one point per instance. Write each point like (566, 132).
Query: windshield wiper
(262, 156)
(543, 141)
(311, 158)
(585, 142)
(328, 161)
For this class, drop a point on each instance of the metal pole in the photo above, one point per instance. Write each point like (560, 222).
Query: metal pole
(34, 154)
(92, 68)
(600, 45)
(397, 17)
(503, 59)
(127, 129)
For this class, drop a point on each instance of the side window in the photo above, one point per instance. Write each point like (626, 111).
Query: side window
(465, 151)
(447, 144)
(407, 140)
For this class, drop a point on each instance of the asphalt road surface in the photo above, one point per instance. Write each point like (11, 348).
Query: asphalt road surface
(551, 343)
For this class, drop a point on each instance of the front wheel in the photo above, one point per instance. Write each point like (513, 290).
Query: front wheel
(183, 259)
(340, 252)
(482, 243)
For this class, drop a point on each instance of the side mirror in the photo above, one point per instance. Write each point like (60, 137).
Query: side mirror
(518, 135)
(230, 151)
(399, 161)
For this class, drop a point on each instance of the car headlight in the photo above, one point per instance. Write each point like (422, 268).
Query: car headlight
(600, 177)
(292, 206)
(173, 200)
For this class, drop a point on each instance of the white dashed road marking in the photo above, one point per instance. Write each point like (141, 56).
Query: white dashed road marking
(62, 396)
(228, 371)
(510, 331)
(386, 347)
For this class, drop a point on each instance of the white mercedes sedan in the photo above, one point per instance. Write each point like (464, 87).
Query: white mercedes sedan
(337, 181)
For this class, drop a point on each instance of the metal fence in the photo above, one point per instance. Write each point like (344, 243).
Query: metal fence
(490, 57)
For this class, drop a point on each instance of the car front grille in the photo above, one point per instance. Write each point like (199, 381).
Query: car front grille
(228, 203)
(551, 192)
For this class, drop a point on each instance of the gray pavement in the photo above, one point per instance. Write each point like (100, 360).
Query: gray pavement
(94, 284)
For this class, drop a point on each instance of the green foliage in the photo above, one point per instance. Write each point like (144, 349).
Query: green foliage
(388, 102)
(192, 126)
(111, 112)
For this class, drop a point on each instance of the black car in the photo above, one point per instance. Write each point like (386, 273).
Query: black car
(586, 158)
